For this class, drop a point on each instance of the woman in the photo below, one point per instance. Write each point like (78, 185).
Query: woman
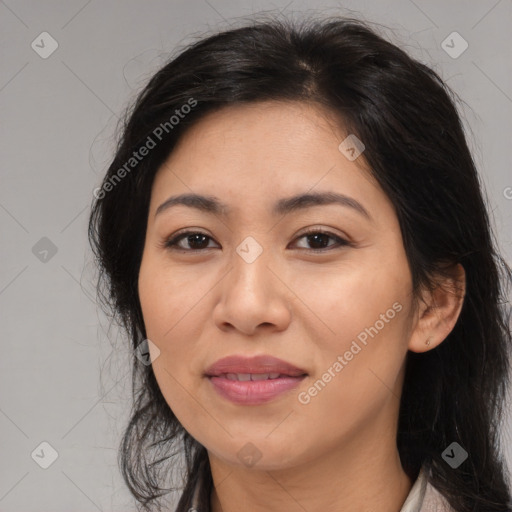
(293, 227)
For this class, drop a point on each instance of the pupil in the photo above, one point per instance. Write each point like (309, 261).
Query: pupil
(194, 238)
(316, 236)
(320, 239)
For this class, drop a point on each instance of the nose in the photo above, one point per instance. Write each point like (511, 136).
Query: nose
(253, 297)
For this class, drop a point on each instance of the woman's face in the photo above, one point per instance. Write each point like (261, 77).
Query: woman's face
(337, 306)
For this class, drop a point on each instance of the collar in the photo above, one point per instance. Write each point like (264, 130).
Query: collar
(414, 501)
(421, 496)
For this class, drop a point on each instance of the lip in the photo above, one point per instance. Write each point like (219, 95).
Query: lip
(253, 392)
(255, 364)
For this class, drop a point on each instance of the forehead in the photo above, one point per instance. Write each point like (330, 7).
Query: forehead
(260, 152)
(266, 130)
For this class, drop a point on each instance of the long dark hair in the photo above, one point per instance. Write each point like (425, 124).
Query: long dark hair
(416, 149)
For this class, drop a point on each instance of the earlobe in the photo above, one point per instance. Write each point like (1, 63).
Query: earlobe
(439, 311)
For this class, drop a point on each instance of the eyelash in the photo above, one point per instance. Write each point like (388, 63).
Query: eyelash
(171, 243)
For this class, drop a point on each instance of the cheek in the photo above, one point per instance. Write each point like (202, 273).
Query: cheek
(358, 313)
(171, 311)
(166, 298)
(338, 304)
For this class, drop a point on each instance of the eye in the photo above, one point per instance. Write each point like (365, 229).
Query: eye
(196, 241)
(319, 239)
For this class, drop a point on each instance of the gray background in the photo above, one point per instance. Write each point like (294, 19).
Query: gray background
(64, 378)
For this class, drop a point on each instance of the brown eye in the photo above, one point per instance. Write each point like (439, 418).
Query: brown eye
(319, 240)
(193, 240)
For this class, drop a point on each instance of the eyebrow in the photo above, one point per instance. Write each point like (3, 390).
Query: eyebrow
(211, 204)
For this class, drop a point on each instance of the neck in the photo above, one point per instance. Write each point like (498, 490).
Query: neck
(361, 478)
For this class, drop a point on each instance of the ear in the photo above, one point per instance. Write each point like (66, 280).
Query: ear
(438, 310)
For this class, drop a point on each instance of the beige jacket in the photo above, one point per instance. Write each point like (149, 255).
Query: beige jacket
(423, 497)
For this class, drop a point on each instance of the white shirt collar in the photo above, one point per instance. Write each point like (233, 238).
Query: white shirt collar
(413, 503)
(416, 495)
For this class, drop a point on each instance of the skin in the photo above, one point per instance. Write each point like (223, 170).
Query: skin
(298, 305)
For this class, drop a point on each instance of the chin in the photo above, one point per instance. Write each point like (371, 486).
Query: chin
(259, 454)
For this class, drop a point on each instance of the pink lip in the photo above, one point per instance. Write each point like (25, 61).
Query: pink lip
(253, 392)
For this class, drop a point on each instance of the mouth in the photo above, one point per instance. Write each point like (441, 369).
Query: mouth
(255, 380)
(244, 377)
(260, 367)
